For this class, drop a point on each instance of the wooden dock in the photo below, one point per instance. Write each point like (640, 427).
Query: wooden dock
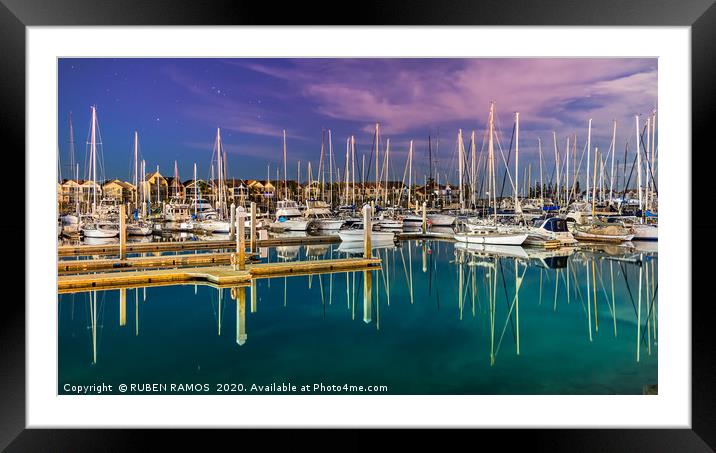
(220, 276)
(179, 246)
(144, 262)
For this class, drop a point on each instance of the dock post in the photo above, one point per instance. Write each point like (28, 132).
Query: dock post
(367, 296)
(253, 227)
(240, 237)
(232, 223)
(425, 218)
(122, 307)
(122, 232)
(367, 227)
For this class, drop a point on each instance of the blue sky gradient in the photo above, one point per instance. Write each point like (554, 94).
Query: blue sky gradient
(177, 104)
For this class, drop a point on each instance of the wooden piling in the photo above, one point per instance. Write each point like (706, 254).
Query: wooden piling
(253, 227)
(122, 306)
(241, 237)
(367, 228)
(122, 232)
(232, 223)
(425, 218)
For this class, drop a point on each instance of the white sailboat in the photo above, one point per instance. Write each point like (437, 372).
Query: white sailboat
(491, 235)
(357, 235)
(98, 223)
(288, 215)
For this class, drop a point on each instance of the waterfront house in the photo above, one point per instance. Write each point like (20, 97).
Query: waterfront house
(121, 191)
(158, 187)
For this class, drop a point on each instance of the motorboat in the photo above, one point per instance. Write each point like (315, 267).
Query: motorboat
(320, 216)
(176, 211)
(289, 217)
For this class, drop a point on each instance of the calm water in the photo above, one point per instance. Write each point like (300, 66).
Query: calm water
(440, 320)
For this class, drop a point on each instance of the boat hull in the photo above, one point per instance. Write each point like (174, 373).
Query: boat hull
(99, 233)
(291, 225)
(646, 233)
(359, 236)
(441, 219)
(327, 224)
(492, 238)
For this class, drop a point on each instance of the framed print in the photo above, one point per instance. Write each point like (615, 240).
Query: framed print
(386, 223)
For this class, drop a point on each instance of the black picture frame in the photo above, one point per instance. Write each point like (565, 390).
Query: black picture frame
(700, 15)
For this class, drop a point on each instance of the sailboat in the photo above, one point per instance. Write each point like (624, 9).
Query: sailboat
(288, 215)
(490, 234)
(138, 227)
(98, 224)
(218, 224)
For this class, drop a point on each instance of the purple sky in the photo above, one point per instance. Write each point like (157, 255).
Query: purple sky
(176, 105)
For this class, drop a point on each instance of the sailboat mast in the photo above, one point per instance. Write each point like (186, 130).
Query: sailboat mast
(387, 161)
(353, 167)
(377, 149)
(647, 186)
(461, 163)
(517, 158)
(136, 169)
(196, 186)
(93, 152)
(493, 189)
(589, 146)
(541, 179)
(330, 167)
(614, 151)
(473, 170)
(566, 178)
(285, 185)
(219, 168)
(556, 164)
(638, 162)
(410, 171)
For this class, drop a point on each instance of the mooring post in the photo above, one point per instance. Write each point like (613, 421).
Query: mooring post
(367, 227)
(122, 307)
(253, 227)
(122, 232)
(425, 218)
(232, 223)
(241, 237)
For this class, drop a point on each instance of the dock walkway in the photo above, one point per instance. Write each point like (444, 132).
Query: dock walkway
(221, 276)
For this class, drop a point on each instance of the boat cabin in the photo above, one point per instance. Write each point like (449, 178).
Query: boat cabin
(554, 224)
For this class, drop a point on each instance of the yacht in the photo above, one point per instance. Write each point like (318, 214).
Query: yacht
(319, 214)
(289, 217)
(202, 209)
(177, 210)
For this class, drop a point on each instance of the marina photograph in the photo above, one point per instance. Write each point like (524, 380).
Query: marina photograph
(353, 226)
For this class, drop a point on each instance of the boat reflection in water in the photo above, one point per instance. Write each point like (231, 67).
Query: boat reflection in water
(436, 318)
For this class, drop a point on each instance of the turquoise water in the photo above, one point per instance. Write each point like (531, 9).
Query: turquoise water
(440, 320)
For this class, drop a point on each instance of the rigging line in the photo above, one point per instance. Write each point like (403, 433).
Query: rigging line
(626, 280)
(507, 163)
(504, 287)
(648, 163)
